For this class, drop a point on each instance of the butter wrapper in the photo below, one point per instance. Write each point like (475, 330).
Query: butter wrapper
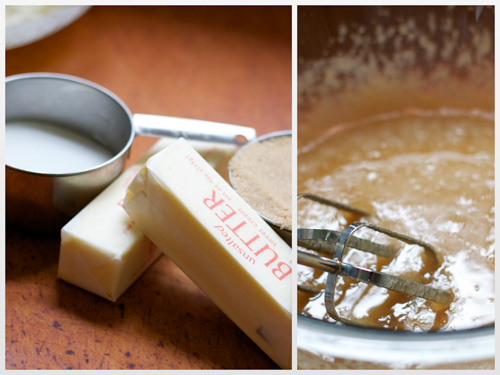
(102, 250)
(192, 214)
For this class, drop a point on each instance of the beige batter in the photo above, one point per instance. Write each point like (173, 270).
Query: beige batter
(427, 174)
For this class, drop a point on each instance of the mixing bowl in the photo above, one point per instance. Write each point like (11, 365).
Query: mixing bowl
(356, 62)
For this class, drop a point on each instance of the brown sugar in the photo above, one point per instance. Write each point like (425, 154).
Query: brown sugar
(261, 173)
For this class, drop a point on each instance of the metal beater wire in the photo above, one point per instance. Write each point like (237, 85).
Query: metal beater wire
(335, 243)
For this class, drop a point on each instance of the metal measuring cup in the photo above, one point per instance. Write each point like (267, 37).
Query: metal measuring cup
(44, 202)
(283, 231)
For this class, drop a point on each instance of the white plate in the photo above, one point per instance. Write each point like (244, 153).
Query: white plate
(27, 24)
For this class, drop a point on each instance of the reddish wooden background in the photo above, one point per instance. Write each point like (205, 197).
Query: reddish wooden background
(226, 64)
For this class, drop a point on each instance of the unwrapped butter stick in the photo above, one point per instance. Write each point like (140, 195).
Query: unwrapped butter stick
(102, 250)
(192, 214)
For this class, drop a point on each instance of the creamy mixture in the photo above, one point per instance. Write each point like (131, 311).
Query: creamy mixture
(427, 174)
(17, 14)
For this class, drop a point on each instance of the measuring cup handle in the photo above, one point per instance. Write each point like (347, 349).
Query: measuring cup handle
(165, 126)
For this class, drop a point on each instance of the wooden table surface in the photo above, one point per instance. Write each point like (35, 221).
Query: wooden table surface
(222, 64)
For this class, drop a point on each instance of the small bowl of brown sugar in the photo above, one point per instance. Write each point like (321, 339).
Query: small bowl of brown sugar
(261, 173)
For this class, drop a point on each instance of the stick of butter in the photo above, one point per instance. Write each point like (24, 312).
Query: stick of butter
(192, 214)
(102, 251)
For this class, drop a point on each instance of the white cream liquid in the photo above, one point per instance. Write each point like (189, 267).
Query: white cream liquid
(46, 148)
